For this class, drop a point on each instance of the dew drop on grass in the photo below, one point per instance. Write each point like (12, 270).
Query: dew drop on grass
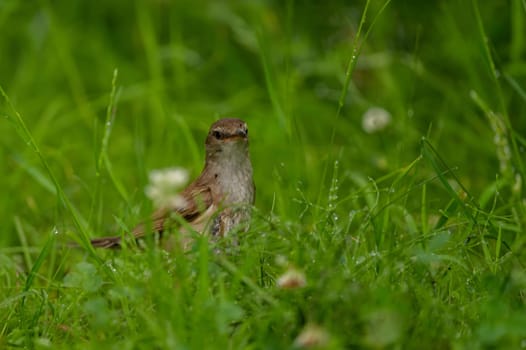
(374, 254)
(111, 267)
(55, 231)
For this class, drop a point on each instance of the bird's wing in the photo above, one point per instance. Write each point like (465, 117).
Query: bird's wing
(194, 201)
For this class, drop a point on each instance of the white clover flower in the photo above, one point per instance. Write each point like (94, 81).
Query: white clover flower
(375, 119)
(176, 177)
(292, 279)
(164, 186)
(312, 336)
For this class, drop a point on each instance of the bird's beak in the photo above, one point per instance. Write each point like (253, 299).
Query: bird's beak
(241, 133)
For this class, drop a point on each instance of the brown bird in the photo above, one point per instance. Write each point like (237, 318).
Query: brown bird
(217, 201)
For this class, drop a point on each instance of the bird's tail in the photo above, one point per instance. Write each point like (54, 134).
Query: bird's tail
(106, 242)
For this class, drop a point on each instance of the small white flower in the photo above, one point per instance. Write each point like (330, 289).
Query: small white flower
(312, 336)
(164, 186)
(175, 177)
(292, 279)
(375, 119)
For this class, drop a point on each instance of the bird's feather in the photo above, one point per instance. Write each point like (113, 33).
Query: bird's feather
(195, 200)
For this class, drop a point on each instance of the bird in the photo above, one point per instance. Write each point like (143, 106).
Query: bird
(217, 201)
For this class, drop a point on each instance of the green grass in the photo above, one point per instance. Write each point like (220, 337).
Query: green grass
(409, 237)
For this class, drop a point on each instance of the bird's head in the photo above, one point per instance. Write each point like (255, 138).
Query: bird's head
(228, 136)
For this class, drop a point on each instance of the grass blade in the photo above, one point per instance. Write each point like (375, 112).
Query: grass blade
(46, 250)
(28, 138)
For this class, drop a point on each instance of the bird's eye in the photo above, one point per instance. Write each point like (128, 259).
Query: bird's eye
(218, 135)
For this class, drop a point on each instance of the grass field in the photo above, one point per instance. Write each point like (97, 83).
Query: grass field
(404, 231)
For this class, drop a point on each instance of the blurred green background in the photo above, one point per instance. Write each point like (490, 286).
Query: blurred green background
(452, 71)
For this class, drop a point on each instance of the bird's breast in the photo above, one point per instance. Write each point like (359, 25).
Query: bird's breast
(234, 176)
(237, 187)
